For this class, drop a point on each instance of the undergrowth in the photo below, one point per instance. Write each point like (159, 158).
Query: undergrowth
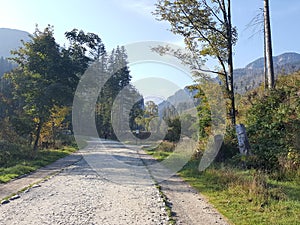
(245, 197)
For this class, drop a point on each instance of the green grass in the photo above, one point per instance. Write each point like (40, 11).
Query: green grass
(158, 155)
(162, 151)
(245, 197)
(25, 166)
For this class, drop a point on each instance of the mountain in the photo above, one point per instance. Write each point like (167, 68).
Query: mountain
(253, 74)
(181, 101)
(281, 60)
(244, 79)
(10, 39)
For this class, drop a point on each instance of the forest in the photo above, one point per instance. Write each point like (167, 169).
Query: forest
(37, 95)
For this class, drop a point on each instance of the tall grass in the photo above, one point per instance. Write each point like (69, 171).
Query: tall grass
(247, 196)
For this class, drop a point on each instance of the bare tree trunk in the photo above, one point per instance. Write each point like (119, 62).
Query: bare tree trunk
(265, 78)
(230, 66)
(268, 46)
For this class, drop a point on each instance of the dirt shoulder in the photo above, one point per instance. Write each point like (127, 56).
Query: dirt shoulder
(187, 205)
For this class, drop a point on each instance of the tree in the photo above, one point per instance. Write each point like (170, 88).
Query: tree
(151, 109)
(37, 79)
(174, 129)
(261, 22)
(268, 46)
(47, 75)
(150, 113)
(115, 66)
(57, 123)
(5, 66)
(208, 32)
(84, 48)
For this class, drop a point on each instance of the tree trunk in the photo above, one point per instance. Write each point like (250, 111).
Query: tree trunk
(265, 64)
(230, 66)
(244, 145)
(38, 133)
(268, 41)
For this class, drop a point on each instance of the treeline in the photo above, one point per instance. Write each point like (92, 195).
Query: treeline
(5, 66)
(119, 103)
(36, 97)
(272, 120)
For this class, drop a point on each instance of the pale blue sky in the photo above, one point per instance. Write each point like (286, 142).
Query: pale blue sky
(119, 22)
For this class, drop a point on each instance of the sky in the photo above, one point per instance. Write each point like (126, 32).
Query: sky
(122, 22)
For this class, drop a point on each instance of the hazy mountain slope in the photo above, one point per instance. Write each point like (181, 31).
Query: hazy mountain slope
(10, 39)
(253, 74)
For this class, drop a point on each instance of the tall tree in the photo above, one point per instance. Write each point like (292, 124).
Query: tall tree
(36, 80)
(116, 66)
(268, 46)
(208, 32)
(47, 75)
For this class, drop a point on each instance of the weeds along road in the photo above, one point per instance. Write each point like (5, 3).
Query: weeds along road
(110, 185)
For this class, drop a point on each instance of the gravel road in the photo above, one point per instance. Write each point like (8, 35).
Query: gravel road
(111, 185)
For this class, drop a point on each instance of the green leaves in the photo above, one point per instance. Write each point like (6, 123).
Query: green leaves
(47, 76)
(273, 123)
(208, 33)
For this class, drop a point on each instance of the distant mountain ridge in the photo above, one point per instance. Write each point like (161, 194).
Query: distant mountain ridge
(181, 101)
(244, 79)
(253, 74)
(10, 39)
(280, 60)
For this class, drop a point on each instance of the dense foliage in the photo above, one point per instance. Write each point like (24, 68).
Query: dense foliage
(36, 97)
(274, 125)
(208, 33)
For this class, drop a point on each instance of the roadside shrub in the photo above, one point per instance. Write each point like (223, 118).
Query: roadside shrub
(174, 130)
(229, 148)
(274, 127)
(66, 140)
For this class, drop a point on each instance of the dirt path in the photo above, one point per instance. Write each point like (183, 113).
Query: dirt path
(188, 206)
(110, 185)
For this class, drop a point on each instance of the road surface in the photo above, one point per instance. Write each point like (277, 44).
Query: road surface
(110, 185)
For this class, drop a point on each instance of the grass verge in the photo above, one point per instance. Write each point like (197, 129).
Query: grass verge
(25, 166)
(245, 197)
(161, 151)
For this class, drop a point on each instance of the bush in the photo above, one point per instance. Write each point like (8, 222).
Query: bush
(274, 126)
(229, 148)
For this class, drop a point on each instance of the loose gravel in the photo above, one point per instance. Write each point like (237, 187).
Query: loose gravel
(111, 185)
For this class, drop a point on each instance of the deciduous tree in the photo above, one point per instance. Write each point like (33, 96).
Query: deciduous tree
(207, 31)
